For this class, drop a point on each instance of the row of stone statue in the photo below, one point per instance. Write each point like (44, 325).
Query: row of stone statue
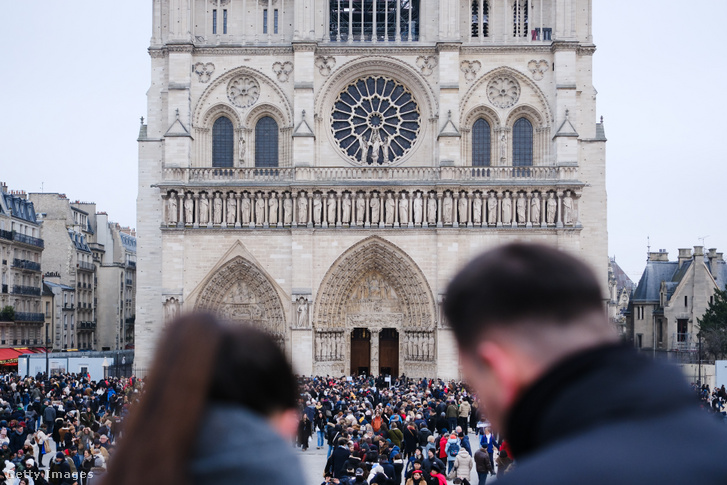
(418, 346)
(371, 209)
(329, 346)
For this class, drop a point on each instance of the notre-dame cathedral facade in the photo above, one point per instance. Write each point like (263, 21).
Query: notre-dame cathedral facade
(321, 168)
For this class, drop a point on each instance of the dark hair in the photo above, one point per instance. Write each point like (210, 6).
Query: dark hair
(516, 282)
(198, 360)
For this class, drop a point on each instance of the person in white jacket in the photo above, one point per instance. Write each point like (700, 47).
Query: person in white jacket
(463, 464)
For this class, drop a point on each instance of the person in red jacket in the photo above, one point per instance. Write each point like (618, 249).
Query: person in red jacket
(443, 446)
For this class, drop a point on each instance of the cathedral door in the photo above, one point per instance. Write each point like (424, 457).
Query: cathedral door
(360, 351)
(389, 351)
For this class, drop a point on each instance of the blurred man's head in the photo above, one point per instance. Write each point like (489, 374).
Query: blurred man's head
(516, 311)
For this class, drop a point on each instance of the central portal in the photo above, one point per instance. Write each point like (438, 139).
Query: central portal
(389, 353)
(360, 352)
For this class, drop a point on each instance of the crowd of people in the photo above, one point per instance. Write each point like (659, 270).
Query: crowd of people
(60, 429)
(714, 401)
(414, 432)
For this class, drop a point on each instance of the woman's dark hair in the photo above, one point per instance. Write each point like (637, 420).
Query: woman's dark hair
(198, 360)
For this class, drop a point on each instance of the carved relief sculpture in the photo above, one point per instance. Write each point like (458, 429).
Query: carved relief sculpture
(171, 310)
(346, 209)
(302, 312)
(245, 209)
(403, 210)
(432, 209)
(317, 209)
(568, 209)
(282, 70)
(470, 69)
(204, 209)
(217, 209)
(231, 210)
(302, 208)
(203, 71)
(538, 68)
(375, 204)
(188, 209)
(477, 210)
(426, 64)
(273, 209)
(507, 209)
(503, 91)
(389, 208)
(550, 208)
(521, 208)
(287, 210)
(418, 206)
(447, 206)
(325, 65)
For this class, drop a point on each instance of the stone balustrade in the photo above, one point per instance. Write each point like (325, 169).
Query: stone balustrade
(541, 206)
(236, 176)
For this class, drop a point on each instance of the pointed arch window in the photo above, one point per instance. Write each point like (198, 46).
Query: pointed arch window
(481, 143)
(522, 143)
(266, 142)
(223, 142)
(480, 18)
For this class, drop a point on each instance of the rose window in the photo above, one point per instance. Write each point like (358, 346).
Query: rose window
(503, 91)
(376, 120)
(243, 91)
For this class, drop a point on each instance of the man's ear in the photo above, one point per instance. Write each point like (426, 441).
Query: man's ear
(503, 367)
(286, 423)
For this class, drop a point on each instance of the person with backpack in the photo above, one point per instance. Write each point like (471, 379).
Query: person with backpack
(452, 450)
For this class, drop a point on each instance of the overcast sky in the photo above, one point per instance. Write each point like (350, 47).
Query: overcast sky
(76, 73)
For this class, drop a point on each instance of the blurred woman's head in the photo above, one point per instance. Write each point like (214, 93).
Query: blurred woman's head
(199, 361)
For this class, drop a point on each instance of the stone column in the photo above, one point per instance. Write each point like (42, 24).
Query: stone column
(396, 210)
(439, 210)
(528, 200)
(559, 210)
(265, 211)
(294, 198)
(338, 210)
(543, 209)
(238, 211)
(310, 209)
(195, 197)
(324, 205)
(455, 209)
(410, 209)
(499, 209)
(374, 370)
(470, 215)
(367, 209)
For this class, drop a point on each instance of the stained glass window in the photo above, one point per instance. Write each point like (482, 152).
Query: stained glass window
(223, 142)
(266, 143)
(522, 143)
(481, 143)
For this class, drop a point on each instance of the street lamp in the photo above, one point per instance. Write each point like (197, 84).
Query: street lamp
(699, 360)
(105, 366)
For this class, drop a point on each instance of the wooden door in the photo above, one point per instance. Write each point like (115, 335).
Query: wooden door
(389, 352)
(360, 352)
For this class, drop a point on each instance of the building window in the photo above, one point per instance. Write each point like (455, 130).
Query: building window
(660, 331)
(481, 143)
(366, 20)
(686, 301)
(266, 143)
(639, 340)
(275, 21)
(522, 143)
(224, 21)
(265, 21)
(480, 18)
(223, 142)
(682, 330)
(214, 21)
(520, 18)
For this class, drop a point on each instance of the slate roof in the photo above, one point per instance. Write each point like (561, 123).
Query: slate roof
(79, 241)
(21, 208)
(649, 285)
(622, 279)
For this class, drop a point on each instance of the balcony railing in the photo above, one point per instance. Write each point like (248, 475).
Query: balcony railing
(26, 290)
(129, 282)
(25, 264)
(86, 266)
(87, 325)
(371, 174)
(6, 235)
(29, 317)
(33, 241)
(131, 264)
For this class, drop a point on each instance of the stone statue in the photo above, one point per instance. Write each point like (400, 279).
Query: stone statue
(551, 206)
(204, 209)
(492, 209)
(535, 209)
(507, 209)
(317, 209)
(432, 209)
(242, 149)
(503, 147)
(447, 206)
(521, 208)
(217, 209)
(171, 310)
(418, 206)
(231, 210)
(188, 209)
(302, 313)
(477, 210)
(375, 204)
(331, 209)
(273, 205)
(346, 209)
(403, 210)
(245, 209)
(172, 209)
(302, 208)
(287, 210)
(259, 209)
(568, 209)
(463, 216)
(389, 208)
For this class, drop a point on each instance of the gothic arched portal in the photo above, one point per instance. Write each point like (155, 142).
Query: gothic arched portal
(377, 287)
(239, 291)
